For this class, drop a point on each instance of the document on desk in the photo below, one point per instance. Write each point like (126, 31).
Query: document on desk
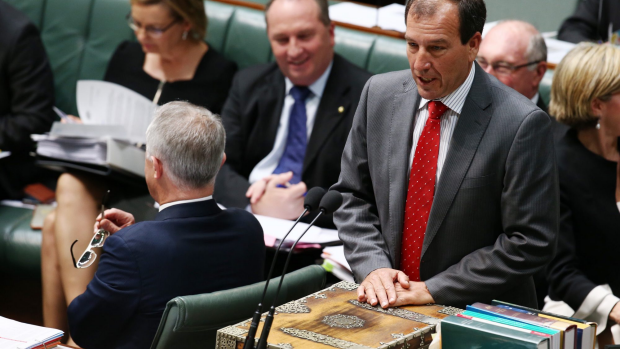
(106, 103)
(277, 228)
(14, 334)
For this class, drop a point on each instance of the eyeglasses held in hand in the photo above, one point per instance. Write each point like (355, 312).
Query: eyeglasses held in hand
(503, 68)
(89, 256)
(153, 32)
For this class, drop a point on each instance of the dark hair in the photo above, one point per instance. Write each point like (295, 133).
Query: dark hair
(472, 14)
(323, 10)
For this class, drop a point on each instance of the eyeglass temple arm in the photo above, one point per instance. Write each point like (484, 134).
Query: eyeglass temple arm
(72, 256)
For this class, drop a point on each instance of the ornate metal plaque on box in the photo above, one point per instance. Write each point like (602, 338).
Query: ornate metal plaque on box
(333, 318)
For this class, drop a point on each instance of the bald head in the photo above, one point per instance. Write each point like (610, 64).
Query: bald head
(513, 44)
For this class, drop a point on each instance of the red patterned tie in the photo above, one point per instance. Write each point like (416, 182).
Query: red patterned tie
(421, 191)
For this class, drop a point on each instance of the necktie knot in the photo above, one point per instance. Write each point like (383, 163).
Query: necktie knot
(436, 109)
(300, 93)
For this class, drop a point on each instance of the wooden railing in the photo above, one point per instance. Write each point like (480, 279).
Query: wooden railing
(375, 30)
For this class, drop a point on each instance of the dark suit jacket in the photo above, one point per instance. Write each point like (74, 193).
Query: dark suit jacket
(188, 249)
(494, 218)
(587, 254)
(591, 21)
(26, 97)
(251, 116)
(541, 104)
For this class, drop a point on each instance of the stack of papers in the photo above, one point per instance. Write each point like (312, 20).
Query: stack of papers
(336, 263)
(275, 229)
(14, 334)
(114, 118)
(106, 103)
(390, 17)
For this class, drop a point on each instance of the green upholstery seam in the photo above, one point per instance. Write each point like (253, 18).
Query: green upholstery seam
(86, 36)
(41, 20)
(227, 29)
(370, 52)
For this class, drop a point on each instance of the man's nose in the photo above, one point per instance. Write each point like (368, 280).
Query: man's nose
(294, 49)
(423, 61)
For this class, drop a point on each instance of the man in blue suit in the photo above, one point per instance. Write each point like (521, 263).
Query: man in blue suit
(191, 247)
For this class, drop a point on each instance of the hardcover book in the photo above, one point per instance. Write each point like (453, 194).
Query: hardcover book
(333, 318)
(458, 332)
(569, 331)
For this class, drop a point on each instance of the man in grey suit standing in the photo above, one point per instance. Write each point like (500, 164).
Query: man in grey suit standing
(448, 176)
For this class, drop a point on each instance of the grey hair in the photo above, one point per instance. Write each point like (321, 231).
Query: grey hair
(189, 140)
(536, 50)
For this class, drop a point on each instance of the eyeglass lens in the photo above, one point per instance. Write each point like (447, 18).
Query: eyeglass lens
(88, 257)
(99, 238)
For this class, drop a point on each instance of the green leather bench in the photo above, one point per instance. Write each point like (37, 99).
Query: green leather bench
(80, 37)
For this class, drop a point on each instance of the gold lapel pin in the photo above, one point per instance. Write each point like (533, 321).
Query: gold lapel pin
(341, 109)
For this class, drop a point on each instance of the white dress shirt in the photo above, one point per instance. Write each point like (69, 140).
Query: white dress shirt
(454, 101)
(535, 98)
(266, 166)
(165, 206)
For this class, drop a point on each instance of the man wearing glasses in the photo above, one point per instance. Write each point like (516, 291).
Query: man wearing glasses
(515, 53)
(191, 247)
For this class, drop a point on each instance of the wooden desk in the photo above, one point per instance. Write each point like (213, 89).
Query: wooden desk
(375, 30)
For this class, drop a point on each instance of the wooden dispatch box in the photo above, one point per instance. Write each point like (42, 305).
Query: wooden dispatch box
(333, 318)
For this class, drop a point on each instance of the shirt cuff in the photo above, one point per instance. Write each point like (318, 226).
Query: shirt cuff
(618, 203)
(597, 306)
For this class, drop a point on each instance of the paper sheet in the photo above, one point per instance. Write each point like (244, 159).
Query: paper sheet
(277, 228)
(347, 12)
(14, 334)
(105, 103)
(392, 17)
(556, 50)
(336, 254)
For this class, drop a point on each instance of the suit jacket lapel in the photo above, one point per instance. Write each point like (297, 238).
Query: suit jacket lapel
(401, 129)
(328, 115)
(470, 128)
(270, 103)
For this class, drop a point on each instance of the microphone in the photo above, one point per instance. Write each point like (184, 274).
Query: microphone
(311, 202)
(330, 203)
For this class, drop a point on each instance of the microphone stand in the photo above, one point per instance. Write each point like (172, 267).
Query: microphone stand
(257, 314)
(262, 342)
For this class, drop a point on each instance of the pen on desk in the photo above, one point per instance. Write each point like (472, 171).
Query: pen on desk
(63, 116)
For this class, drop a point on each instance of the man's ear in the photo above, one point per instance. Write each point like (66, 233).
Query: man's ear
(541, 69)
(158, 168)
(474, 46)
(223, 160)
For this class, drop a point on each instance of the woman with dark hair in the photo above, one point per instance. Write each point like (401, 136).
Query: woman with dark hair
(170, 61)
(585, 96)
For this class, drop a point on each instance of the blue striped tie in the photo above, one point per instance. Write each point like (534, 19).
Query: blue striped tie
(293, 157)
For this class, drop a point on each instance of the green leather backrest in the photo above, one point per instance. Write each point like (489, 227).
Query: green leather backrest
(192, 321)
(20, 246)
(246, 38)
(388, 54)
(219, 19)
(354, 45)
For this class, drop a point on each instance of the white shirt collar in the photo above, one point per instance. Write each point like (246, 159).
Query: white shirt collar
(165, 206)
(456, 99)
(535, 98)
(317, 87)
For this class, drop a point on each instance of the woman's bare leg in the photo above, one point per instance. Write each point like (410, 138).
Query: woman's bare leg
(54, 303)
(78, 200)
